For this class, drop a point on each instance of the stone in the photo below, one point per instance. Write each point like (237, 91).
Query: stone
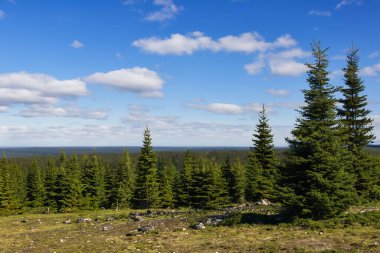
(137, 218)
(105, 228)
(67, 221)
(145, 228)
(263, 202)
(110, 219)
(199, 226)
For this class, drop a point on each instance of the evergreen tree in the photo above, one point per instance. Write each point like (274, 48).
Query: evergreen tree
(238, 182)
(184, 180)
(228, 176)
(165, 178)
(218, 188)
(93, 182)
(356, 124)
(319, 185)
(35, 186)
(146, 193)
(263, 150)
(253, 176)
(357, 128)
(125, 180)
(50, 185)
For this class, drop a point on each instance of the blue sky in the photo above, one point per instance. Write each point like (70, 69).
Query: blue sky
(95, 73)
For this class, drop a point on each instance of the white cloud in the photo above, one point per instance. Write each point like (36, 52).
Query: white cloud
(281, 63)
(319, 13)
(3, 108)
(179, 44)
(220, 108)
(283, 67)
(343, 3)
(71, 112)
(371, 70)
(278, 92)
(76, 44)
(336, 73)
(374, 54)
(168, 11)
(254, 67)
(143, 81)
(24, 87)
(2, 14)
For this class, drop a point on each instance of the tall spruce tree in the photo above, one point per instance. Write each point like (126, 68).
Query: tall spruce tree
(35, 186)
(320, 185)
(263, 150)
(146, 193)
(357, 125)
(165, 179)
(357, 128)
(184, 181)
(238, 182)
(50, 185)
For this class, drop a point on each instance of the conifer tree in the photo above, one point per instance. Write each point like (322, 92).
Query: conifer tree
(228, 176)
(238, 182)
(253, 176)
(263, 150)
(50, 185)
(165, 179)
(357, 125)
(317, 170)
(184, 180)
(146, 194)
(357, 128)
(93, 182)
(35, 186)
(125, 180)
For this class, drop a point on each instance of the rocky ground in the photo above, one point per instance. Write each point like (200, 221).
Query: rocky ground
(178, 231)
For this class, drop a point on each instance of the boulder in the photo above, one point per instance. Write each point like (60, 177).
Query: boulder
(199, 226)
(145, 228)
(263, 202)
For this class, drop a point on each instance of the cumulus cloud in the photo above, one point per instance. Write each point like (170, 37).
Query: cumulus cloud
(178, 44)
(2, 14)
(343, 3)
(254, 67)
(31, 88)
(319, 13)
(76, 44)
(70, 112)
(143, 81)
(278, 92)
(371, 70)
(281, 63)
(168, 11)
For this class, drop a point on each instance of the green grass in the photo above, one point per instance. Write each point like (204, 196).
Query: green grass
(47, 233)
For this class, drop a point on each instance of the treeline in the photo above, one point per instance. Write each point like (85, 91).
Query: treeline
(325, 170)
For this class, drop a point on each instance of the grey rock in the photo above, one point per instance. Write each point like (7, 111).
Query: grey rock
(199, 226)
(145, 228)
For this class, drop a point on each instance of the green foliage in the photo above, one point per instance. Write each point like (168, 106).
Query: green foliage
(124, 181)
(317, 174)
(184, 180)
(93, 182)
(35, 186)
(146, 193)
(165, 178)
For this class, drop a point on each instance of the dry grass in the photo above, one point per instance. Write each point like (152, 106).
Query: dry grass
(172, 234)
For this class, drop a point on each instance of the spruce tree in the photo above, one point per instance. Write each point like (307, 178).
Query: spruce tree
(357, 125)
(93, 182)
(50, 185)
(165, 178)
(263, 150)
(146, 194)
(357, 128)
(319, 184)
(35, 186)
(184, 180)
(238, 182)
(125, 181)
(253, 178)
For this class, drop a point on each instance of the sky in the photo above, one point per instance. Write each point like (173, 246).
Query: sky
(96, 73)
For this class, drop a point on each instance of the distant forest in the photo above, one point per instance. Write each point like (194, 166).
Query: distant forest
(326, 168)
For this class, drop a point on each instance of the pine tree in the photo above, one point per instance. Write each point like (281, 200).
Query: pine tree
(35, 186)
(263, 150)
(358, 128)
(318, 180)
(146, 193)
